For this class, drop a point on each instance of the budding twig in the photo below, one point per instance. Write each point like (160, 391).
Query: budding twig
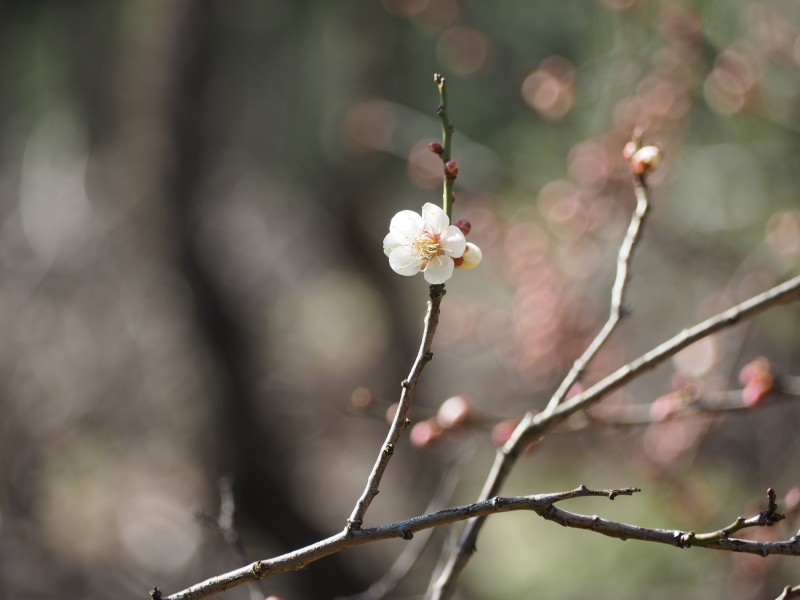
(447, 139)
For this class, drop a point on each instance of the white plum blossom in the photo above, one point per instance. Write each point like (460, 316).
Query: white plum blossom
(425, 242)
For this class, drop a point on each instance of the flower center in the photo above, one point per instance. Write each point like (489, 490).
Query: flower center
(426, 245)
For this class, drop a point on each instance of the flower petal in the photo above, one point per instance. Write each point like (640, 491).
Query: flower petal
(439, 269)
(405, 226)
(435, 218)
(403, 261)
(390, 242)
(453, 242)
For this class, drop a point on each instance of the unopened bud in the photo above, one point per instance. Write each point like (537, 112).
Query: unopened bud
(451, 169)
(471, 258)
(436, 148)
(629, 150)
(454, 412)
(425, 433)
(646, 159)
(464, 225)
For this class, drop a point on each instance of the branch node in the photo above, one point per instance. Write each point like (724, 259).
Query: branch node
(258, 569)
(497, 502)
(404, 384)
(407, 534)
(354, 524)
(388, 449)
(427, 356)
(155, 593)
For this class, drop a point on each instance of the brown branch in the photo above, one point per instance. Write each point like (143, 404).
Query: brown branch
(534, 426)
(301, 558)
(400, 421)
(541, 504)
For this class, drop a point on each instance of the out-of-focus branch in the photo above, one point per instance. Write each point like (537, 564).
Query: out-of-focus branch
(400, 421)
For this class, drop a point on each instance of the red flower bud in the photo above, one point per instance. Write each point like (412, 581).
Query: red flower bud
(451, 169)
(464, 225)
(436, 148)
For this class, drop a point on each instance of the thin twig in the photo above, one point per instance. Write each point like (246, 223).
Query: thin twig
(412, 552)
(447, 139)
(400, 420)
(618, 307)
(534, 426)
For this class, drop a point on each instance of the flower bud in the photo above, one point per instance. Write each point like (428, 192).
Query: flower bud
(425, 433)
(436, 148)
(646, 159)
(629, 150)
(451, 169)
(454, 412)
(464, 225)
(471, 258)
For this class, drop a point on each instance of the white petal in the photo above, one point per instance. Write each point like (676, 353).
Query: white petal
(405, 225)
(390, 242)
(453, 242)
(403, 261)
(439, 269)
(472, 257)
(435, 218)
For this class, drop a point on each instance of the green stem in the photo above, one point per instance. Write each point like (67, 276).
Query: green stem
(447, 138)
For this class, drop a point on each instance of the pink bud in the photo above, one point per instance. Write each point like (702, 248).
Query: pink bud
(629, 150)
(451, 169)
(436, 148)
(454, 412)
(425, 433)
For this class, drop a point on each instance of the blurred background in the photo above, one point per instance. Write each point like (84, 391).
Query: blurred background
(193, 196)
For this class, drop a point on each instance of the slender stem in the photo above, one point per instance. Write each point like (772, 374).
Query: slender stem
(400, 420)
(447, 140)
(618, 308)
